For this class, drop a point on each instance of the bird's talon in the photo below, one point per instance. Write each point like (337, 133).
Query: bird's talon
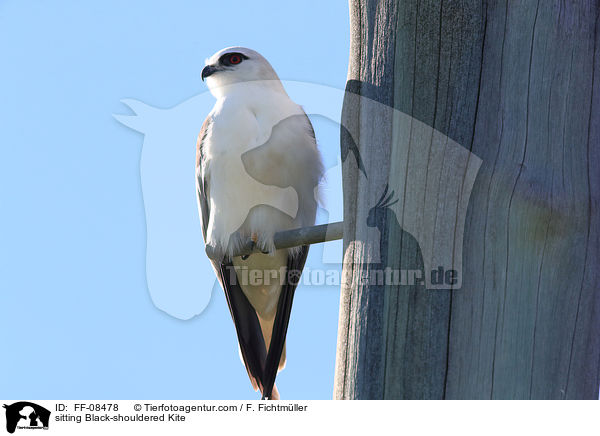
(252, 244)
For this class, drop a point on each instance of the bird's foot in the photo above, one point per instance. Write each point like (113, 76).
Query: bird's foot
(252, 245)
(264, 248)
(254, 238)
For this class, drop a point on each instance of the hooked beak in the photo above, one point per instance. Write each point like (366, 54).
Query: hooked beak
(207, 71)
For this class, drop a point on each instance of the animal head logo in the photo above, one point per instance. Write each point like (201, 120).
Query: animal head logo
(24, 414)
(424, 204)
(175, 255)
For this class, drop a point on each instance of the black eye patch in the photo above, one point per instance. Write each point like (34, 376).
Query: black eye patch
(230, 59)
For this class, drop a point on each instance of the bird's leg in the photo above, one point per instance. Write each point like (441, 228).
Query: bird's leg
(253, 240)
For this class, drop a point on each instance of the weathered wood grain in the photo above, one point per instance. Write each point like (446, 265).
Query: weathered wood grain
(516, 83)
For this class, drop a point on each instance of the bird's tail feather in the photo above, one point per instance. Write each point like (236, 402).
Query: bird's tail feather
(280, 325)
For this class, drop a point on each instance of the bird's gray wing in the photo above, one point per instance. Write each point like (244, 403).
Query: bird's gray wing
(245, 319)
(201, 184)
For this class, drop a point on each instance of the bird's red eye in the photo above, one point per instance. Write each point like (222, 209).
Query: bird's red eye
(235, 59)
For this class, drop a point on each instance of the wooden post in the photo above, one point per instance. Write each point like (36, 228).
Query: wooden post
(517, 83)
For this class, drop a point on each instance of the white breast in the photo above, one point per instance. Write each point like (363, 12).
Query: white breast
(236, 128)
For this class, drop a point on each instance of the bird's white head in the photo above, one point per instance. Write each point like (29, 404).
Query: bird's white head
(234, 65)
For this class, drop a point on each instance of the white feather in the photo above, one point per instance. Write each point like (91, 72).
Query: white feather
(242, 119)
(260, 170)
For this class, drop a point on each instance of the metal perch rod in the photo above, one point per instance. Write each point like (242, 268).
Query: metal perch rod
(293, 238)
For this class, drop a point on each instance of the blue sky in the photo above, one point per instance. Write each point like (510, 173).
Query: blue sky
(77, 319)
